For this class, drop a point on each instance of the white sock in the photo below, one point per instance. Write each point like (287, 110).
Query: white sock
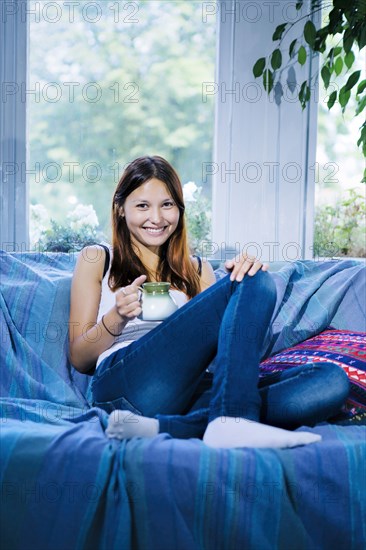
(125, 424)
(228, 432)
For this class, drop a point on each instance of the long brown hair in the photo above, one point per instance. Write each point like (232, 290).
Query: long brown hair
(174, 264)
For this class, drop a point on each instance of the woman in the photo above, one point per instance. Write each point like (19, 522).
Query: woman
(152, 376)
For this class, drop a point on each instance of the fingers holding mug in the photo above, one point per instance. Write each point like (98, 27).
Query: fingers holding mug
(128, 299)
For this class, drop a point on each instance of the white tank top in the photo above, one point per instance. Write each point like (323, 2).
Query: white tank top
(134, 329)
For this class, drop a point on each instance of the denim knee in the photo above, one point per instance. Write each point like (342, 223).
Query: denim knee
(335, 386)
(339, 382)
(267, 284)
(306, 394)
(263, 281)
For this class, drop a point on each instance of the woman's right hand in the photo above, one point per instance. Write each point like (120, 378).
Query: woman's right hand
(127, 300)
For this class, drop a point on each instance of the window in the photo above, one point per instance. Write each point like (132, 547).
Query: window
(108, 82)
(339, 194)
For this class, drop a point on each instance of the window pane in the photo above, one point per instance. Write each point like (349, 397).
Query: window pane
(108, 82)
(339, 194)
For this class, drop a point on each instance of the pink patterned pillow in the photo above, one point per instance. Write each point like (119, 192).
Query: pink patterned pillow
(343, 347)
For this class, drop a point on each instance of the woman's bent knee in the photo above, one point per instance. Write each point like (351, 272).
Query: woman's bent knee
(339, 382)
(261, 281)
(336, 385)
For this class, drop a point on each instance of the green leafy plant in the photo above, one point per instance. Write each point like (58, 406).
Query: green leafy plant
(50, 236)
(340, 230)
(63, 238)
(347, 24)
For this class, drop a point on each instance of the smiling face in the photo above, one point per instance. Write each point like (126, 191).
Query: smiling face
(151, 214)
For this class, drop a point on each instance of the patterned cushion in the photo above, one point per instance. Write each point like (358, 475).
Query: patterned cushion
(343, 347)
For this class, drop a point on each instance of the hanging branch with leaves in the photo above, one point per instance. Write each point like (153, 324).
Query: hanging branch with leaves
(347, 18)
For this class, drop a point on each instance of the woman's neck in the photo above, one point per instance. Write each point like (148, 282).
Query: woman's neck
(149, 258)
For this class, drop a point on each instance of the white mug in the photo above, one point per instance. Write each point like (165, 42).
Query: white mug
(156, 302)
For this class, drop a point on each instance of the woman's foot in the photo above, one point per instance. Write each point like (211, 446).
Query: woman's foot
(227, 432)
(125, 424)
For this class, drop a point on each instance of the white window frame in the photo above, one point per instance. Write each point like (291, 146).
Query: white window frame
(14, 198)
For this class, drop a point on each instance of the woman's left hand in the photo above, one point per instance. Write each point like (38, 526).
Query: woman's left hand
(242, 265)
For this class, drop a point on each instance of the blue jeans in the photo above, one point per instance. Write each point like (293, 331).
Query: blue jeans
(162, 374)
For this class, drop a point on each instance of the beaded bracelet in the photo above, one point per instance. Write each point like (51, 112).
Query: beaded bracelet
(107, 329)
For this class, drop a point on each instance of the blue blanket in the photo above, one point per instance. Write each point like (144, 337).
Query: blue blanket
(65, 485)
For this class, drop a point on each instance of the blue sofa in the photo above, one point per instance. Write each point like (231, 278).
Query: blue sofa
(65, 485)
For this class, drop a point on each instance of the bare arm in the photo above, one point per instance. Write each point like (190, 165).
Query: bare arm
(87, 338)
(208, 277)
